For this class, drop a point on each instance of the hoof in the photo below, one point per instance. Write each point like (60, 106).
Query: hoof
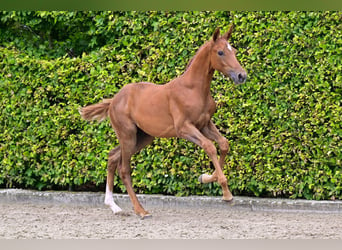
(228, 199)
(146, 216)
(115, 208)
(200, 179)
(143, 214)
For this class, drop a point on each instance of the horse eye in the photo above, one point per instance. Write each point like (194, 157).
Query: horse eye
(220, 53)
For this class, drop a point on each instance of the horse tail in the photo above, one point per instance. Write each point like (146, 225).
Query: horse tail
(97, 111)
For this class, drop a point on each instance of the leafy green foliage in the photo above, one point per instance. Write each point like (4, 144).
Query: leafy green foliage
(283, 124)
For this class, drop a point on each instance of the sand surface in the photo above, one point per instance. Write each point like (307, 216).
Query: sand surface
(46, 221)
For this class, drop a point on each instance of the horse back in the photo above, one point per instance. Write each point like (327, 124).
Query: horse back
(147, 105)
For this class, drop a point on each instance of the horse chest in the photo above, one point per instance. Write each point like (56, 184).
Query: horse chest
(201, 120)
(191, 106)
(200, 116)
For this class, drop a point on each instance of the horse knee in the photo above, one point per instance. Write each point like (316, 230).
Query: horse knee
(222, 180)
(209, 148)
(224, 145)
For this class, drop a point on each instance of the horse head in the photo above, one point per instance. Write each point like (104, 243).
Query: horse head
(223, 57)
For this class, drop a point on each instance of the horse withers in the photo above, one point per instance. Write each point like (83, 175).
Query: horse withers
(181, 108)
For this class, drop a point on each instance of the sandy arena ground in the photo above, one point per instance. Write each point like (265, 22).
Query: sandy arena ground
(45, 221)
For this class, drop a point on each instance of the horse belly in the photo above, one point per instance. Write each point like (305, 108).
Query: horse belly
(156, 127)
(151, 112)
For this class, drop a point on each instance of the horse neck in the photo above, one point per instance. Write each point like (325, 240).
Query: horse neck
(200, 72)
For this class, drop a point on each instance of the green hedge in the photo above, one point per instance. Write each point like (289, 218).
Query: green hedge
(283, 124)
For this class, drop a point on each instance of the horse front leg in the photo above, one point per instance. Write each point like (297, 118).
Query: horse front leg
(212, 133)
(192, 134)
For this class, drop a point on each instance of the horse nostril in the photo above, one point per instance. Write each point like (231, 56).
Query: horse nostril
(241, 77)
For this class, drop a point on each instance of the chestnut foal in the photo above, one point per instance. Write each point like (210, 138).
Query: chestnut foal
(182, 108)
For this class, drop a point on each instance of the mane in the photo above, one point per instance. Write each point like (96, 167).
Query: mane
(198, 51)
(189, 63)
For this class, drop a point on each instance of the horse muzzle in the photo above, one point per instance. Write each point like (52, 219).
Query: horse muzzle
(238, 77)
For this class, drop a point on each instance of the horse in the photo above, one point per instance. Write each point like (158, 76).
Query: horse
(181, 108)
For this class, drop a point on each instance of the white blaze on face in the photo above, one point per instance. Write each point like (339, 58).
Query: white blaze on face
(229, 47)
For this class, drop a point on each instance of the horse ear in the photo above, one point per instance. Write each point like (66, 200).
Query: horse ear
(216, 34)
(229, 33)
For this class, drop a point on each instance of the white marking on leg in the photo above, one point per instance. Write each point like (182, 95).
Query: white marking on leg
(109, 201)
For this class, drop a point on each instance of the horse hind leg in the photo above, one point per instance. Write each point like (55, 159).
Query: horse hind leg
(119, 158)
(114, 158)
(130, 145)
